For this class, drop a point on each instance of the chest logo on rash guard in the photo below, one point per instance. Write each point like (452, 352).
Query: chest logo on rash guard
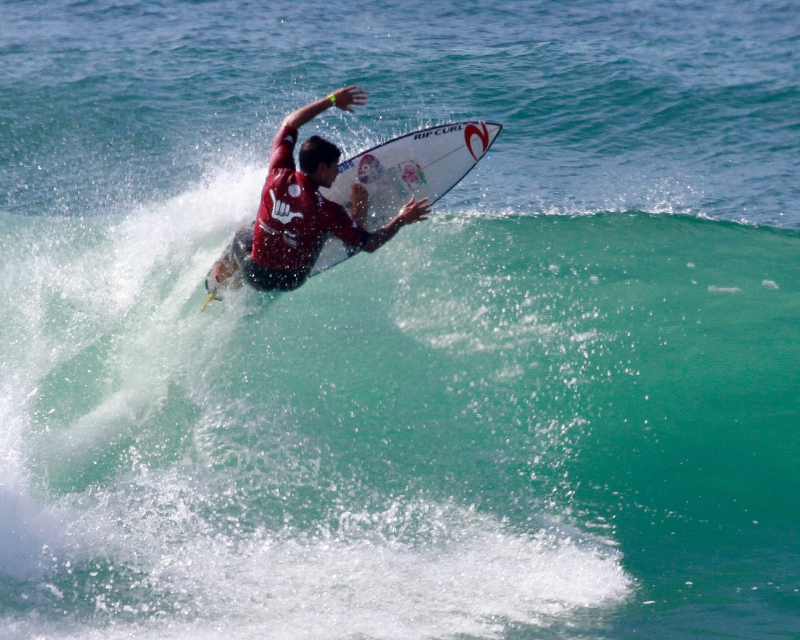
(281, 211)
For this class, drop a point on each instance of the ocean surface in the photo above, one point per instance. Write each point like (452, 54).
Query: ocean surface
(565, 407)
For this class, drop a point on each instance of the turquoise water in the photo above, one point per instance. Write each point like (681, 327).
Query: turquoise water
(565, 407)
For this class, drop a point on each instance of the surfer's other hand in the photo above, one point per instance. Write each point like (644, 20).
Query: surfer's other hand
(414, 211)
(348, 97)
(359, 199)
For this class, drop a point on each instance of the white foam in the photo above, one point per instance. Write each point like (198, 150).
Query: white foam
(419, 569)
(148, 235)
(714, 289)
(25, 525)
(26, 529)
(65, 283)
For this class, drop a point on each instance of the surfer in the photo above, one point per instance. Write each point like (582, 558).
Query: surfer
(293, 218)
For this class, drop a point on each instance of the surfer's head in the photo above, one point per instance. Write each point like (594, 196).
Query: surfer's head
(318, 159)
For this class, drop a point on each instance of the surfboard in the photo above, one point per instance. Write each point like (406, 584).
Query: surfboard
(424, 164)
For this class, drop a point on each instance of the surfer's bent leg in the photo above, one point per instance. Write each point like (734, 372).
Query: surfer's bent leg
(257, 276)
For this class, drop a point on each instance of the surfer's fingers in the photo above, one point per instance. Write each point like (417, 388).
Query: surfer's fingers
(348, 108)
(415, 208)
(352, 95)
(421, 205)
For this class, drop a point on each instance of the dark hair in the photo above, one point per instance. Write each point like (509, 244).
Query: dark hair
(316, 150)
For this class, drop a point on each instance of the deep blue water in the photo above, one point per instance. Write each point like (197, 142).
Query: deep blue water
(565, 407)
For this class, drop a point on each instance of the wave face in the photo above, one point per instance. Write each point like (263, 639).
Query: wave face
(565, 407)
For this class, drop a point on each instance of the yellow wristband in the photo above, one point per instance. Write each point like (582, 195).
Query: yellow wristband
(332, 98)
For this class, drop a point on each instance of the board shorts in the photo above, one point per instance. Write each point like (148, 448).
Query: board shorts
(257, 276)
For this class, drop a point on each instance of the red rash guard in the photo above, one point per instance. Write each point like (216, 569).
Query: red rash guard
(293, 218)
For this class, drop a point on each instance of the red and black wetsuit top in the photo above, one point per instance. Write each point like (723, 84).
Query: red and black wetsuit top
(293, 218)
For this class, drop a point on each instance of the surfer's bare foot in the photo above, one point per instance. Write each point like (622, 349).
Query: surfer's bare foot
(224, 275)
(225, 269)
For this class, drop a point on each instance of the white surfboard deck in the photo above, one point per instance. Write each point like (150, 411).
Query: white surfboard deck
(423, 164)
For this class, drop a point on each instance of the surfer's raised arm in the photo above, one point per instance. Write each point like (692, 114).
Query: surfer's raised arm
(344, 99)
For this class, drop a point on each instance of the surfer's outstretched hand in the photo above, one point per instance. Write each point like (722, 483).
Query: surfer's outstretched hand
(344, 99)
(411, 212)
(348, 97)
(414, 211)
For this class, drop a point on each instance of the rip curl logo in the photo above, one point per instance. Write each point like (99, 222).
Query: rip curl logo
(281, 211)
(482, 132)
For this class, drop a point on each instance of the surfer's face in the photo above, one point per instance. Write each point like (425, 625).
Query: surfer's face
(326, 173)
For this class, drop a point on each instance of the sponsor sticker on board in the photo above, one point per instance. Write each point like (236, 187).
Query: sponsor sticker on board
(369, 169)
(412, 174)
